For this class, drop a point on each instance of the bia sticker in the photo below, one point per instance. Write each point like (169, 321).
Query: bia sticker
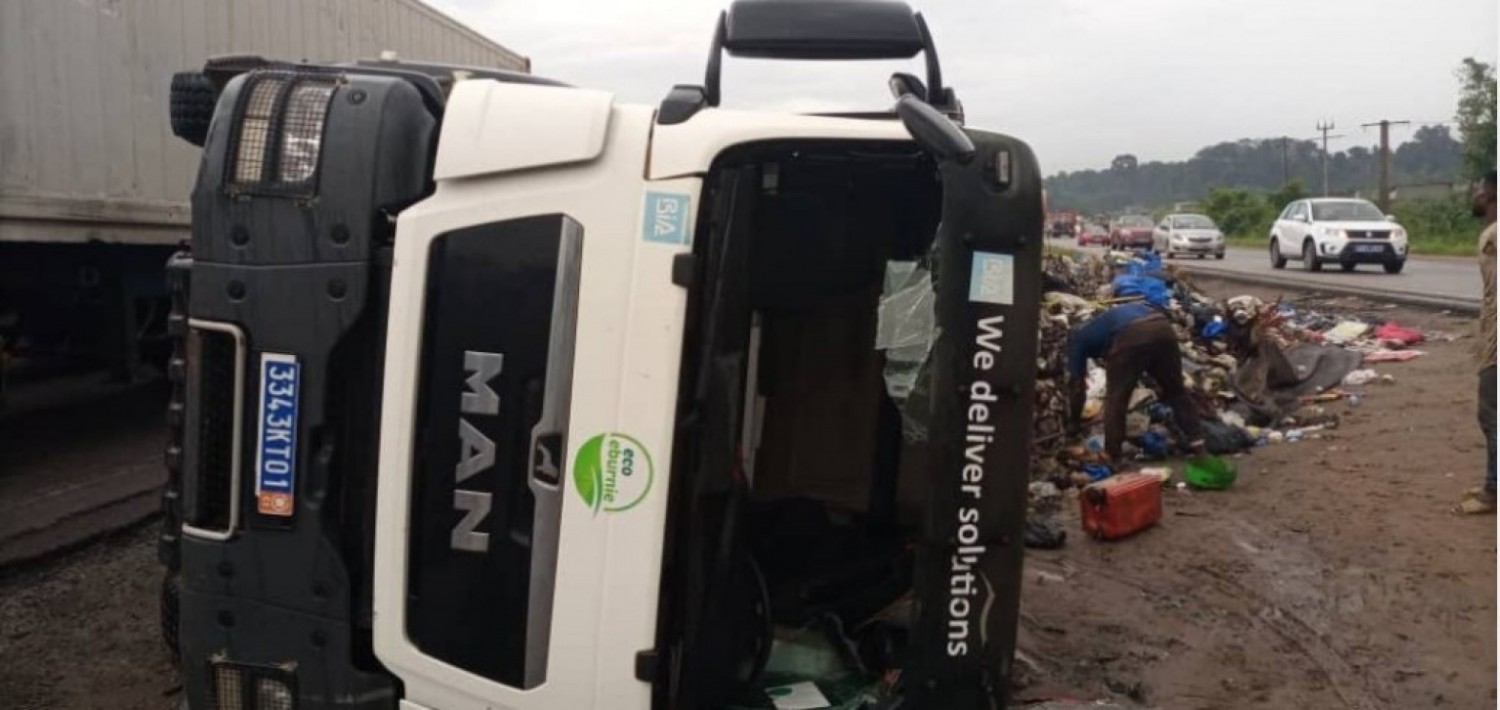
(666, 218)
(612, 472)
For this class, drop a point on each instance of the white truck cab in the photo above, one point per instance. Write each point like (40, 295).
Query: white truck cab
(498, 393)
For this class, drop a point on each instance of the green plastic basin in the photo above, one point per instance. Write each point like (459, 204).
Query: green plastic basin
(1210, 472)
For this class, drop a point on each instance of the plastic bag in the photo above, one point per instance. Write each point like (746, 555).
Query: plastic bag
(1225, 439)
(1346, 332)
(1154, 290)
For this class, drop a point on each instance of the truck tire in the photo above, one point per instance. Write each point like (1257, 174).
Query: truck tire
(192, 105)
(169, 616)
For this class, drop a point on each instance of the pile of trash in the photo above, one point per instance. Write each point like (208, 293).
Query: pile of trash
(1260, 373)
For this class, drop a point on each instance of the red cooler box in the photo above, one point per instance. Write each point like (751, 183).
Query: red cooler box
(1121, 505)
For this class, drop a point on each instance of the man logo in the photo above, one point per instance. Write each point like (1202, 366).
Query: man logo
(544, 460)
(476, 453)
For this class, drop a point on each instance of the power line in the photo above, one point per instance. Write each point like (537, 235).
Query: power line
(1324, 128)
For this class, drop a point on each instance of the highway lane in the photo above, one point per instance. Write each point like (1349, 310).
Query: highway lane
(1442, 279)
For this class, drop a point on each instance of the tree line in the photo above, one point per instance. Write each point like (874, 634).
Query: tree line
(1432, 155)
(1256, 164)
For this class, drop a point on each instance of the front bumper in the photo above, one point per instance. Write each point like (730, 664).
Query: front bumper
(1198, 247)
(1366, 253)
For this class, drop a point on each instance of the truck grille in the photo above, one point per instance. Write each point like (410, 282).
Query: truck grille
(1369, 234)
(215, 375)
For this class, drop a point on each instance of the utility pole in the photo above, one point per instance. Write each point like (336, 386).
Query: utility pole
(1385, 160)
(1324, 128)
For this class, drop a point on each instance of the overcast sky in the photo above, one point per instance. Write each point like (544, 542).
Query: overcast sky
(1081, 80)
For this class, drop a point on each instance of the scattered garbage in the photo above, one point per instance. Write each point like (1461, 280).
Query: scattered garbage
(1393, 355)
(1161, 472)
(1346, 332)
(797, 696)
(1154, 443)
(817, 666)
(1263, 373)
(1391, 332)
(1045, 533)
(1097, 471)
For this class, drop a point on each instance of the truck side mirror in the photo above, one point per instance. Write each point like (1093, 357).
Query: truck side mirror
(934, 131)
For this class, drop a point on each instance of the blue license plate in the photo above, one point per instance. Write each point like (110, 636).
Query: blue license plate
(1369, 248)
(276, 443)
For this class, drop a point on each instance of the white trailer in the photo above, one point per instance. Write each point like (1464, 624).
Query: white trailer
(93, 185)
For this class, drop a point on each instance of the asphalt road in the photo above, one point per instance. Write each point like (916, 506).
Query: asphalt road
(1442, 281)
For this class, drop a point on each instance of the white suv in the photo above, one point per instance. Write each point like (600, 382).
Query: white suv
(1342, 231)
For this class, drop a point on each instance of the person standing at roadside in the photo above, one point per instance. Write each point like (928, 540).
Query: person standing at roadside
(1481, 500)
(1131, 339)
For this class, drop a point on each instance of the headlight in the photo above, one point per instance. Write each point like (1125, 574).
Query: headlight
(1398, 233)
(302, 130)
(1334, 233)
(278, 138)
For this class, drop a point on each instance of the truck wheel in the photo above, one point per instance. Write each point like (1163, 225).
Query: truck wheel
(1394, 267)
(1310, 257)
(192, 106)
(169, 616)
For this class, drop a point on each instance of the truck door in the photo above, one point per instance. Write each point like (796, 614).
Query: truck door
(988, 280)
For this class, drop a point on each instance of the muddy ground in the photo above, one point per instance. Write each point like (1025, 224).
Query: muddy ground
(1330, 576)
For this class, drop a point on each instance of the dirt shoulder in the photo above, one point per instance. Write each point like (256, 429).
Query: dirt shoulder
(1331, 575)
(80, 630)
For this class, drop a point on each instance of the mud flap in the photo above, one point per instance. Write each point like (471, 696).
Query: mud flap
(987, 273)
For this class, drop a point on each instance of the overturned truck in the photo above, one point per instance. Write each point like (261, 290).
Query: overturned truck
(496, 393)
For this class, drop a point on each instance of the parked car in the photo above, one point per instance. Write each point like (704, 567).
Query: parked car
(1131, 231)
(1342, 231)
(1188, 234)
(1093, 234)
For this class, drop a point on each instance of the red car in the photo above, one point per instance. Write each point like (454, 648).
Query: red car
(1131, 232)
(1092, 234)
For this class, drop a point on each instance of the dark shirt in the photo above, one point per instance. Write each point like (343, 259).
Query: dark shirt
(1094, 338)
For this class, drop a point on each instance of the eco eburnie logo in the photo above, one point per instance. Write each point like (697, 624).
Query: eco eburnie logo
(613, 472)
